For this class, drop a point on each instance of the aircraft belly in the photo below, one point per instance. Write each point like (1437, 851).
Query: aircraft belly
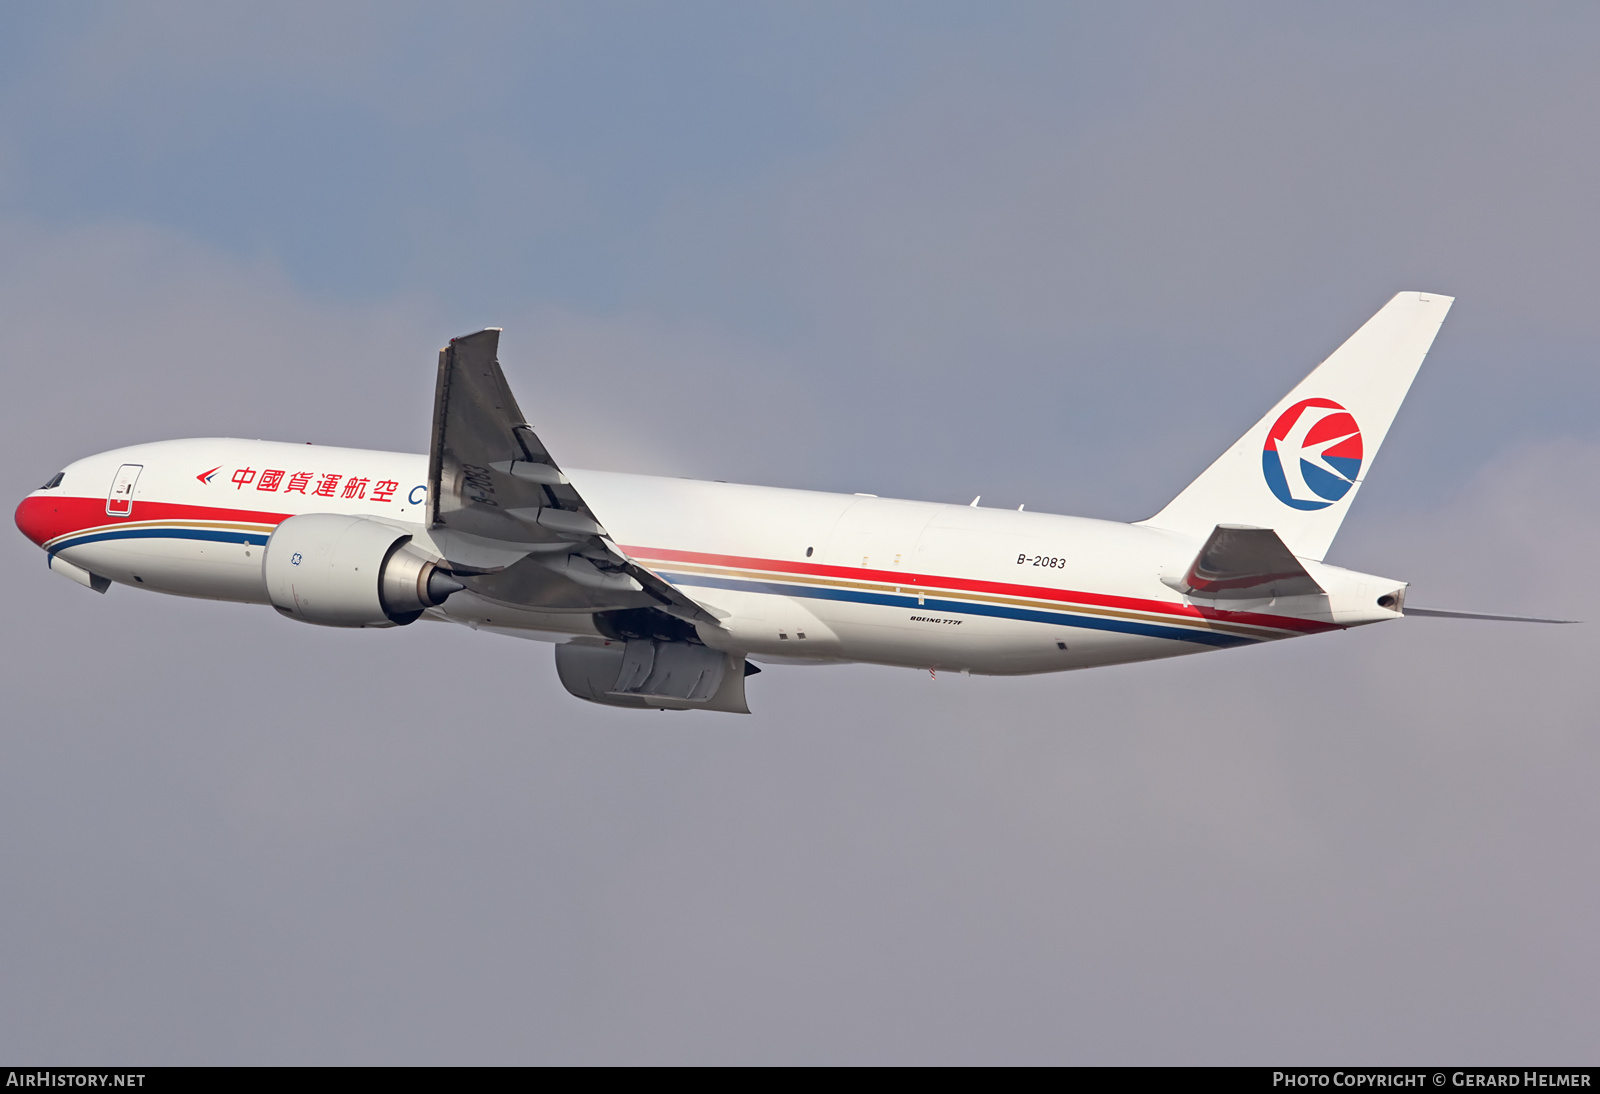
(980, 644)
(211, 570)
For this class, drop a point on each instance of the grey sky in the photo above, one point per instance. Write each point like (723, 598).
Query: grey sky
(1056, 255)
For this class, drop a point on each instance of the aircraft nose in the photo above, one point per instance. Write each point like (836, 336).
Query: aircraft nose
(35, 518)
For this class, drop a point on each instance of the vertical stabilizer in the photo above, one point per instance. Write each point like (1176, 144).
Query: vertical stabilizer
(1298, 469)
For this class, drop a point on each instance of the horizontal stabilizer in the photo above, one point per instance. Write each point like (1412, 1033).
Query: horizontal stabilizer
(1239, 562)
(1441, 613)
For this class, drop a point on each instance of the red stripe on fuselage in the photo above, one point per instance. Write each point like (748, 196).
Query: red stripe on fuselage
(1002, 588)
(43, 518)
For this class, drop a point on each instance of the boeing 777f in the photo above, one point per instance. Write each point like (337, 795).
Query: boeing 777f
(659, 592)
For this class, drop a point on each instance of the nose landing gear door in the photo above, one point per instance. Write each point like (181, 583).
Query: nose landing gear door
(119, 503)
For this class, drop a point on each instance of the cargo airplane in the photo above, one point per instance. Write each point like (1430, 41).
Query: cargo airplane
(660, 592)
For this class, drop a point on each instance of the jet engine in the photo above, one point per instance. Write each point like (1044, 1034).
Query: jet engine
(647, 672)
(343, 571)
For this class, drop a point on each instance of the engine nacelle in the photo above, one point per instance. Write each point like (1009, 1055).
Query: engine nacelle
(648, 672)
(343, 571)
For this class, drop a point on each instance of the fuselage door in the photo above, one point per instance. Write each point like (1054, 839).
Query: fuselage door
(119, 503)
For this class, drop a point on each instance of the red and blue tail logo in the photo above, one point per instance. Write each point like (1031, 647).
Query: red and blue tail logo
(1313, 454)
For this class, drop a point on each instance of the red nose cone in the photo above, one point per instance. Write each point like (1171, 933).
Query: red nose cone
(38, 517)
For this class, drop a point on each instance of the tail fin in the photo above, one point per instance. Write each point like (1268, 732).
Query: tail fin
(1298, 469)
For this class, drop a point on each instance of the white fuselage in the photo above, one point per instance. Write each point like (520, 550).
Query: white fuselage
(790, 574)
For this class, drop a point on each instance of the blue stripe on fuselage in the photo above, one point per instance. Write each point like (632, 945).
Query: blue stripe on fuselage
(963, 607)
(209, 534)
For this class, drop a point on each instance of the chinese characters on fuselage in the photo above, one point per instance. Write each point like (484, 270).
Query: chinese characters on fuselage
(327, 486)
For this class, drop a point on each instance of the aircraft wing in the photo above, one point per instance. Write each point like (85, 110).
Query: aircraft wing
(511, 526)
(1239, 562)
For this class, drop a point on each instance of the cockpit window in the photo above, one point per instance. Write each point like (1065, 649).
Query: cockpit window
(55, 481)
